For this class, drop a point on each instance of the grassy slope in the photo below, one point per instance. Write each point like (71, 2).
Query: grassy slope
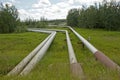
(14, 47)
(55, 65)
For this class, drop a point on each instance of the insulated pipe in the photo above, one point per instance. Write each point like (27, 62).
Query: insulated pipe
(44, 31)
(75, 67)
(38, 56)
(88, 45)
(99, 55)
(70, 50)
(25, 61)
(50, 30)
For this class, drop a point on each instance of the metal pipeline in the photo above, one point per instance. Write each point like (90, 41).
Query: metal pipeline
(75, 67)
(43, 31)
(19, 67)
(70, 50)
(38, 56)
(99, 55)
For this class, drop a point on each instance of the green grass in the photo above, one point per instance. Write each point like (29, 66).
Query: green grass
(107, 42)
(14, 47)
(55, 64)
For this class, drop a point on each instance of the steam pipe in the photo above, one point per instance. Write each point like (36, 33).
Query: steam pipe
(75, 67)
(19, 67)
(99, 55)
(38, 56)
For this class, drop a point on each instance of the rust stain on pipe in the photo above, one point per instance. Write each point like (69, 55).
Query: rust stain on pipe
(75, 67)
(77, 71)
(106, 61)
(99, 55)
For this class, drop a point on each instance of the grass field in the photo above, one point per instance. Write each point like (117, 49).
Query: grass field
(55, 64)
(14, 47)
(107, 42)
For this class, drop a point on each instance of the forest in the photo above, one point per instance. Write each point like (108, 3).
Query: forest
(105, 15)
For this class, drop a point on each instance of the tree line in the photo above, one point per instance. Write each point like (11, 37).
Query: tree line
(10, 21)
(33, 23)
(43, 22)
(105, 15)
(57, 22)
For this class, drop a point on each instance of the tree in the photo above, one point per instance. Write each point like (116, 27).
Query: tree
(8, 18)
(88, 17)
(106, 15)
(42, 23)
(72, 18)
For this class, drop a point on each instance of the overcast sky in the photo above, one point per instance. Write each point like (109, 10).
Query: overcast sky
(50, 9)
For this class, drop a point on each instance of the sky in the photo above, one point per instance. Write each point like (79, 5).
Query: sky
(50, 9)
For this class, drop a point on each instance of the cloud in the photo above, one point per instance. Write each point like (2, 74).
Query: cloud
(12, 0)
(87, 2)
(63, 4)
(31, 13)
(71, 1)
(48, 10)
(8, 3)
(59, 10)
(42, 4)
(53, 10)
(22, 11)
(23, 14)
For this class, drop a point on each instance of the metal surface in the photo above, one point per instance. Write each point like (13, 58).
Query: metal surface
(43, 31)
(106, 61)
(31, 60)
(38, 56)
(70, 50)
(75, 67)
(88, 45)
(25, 61)
(99, 55)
